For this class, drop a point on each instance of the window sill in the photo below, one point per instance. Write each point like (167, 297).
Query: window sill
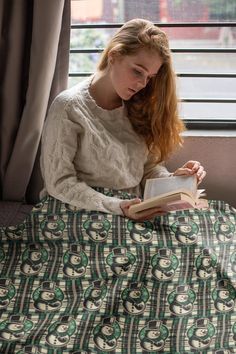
(210, 133)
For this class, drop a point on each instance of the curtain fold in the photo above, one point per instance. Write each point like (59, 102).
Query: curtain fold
(35, 37)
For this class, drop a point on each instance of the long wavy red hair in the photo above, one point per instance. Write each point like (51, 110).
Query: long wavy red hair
(153, 111)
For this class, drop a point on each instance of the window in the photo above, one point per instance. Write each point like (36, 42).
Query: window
(202, 37)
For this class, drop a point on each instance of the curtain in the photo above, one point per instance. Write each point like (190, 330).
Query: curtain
(34, 63)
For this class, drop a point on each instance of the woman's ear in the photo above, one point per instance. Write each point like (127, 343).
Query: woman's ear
(112, 55)
(111, 58)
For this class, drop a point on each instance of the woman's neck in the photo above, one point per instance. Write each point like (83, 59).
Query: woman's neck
(102, 91)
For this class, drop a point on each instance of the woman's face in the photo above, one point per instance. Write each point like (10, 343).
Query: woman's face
(131, 73)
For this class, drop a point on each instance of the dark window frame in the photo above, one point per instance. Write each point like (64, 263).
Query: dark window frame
(190, 123)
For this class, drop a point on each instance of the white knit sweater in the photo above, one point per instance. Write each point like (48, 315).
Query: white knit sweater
(84, 146)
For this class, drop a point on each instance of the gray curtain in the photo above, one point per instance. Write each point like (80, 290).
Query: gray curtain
(34, 62)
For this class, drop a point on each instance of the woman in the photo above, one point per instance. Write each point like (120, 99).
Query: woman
(117, 127)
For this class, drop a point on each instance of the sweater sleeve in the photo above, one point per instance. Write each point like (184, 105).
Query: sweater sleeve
(60, 142)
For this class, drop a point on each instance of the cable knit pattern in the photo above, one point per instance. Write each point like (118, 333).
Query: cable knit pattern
(84, 146)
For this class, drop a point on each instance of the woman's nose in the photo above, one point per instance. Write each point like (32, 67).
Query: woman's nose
(143, 81)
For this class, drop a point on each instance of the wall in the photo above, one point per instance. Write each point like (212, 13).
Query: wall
(218, 155)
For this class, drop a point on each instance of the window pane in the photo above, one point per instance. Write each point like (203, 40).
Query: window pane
(217, 111)
(88, 11)
(198, 37)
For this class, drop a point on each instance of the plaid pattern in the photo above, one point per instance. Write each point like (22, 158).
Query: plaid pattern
(77, 281)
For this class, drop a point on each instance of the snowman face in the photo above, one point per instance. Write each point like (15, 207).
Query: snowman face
(224, 227)
(182, 298)
(201, 332)
(140, 226)
(15, 326)
(206, 261)
(47, 295)
(35, 256)
(95, 293)
(52, 225)
(62, 328)
(97, 225)
(185, 228)
(3, 292)
(107, 330)
(135, 294)
(223, 294)
(164, 263)
(75, 259)
(153, 334)
(14, 232)
(122, 260)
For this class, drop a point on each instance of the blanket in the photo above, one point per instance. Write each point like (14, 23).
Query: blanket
(78, 281)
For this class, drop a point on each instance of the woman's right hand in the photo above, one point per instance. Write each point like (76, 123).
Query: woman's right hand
(147, 214)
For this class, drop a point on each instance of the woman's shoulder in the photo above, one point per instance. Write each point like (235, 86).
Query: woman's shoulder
(72, 94)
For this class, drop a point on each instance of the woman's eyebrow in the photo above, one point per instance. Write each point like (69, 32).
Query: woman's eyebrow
(141, 66)
(144, 68)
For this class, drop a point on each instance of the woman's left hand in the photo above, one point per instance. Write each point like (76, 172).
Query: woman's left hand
(191, 168)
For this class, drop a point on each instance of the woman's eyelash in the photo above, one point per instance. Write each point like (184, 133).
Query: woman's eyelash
(138, 72)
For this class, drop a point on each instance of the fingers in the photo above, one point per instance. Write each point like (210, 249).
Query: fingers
(183, 171)
(200, 176)
(192, 167)
(125, 204)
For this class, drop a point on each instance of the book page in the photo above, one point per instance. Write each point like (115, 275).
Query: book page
(157, 186)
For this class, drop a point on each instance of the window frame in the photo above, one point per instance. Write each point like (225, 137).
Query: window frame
(228, 124)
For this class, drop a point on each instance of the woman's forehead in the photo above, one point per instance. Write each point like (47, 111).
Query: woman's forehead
(149, 60)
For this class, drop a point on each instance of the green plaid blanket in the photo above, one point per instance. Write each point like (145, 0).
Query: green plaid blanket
(77, 281)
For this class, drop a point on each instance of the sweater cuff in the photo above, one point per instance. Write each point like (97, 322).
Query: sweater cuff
(112, 205)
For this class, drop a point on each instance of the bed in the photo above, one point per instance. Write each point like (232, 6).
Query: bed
(77, 281)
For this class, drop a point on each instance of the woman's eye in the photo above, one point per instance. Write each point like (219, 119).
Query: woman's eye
(137, 72)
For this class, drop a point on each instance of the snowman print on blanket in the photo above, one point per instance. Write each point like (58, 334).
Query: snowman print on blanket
(29, 349)
(153, 336)
(33, 259)
(234, 331)
(224, 296)
(206, 263)
(200, 334)
(2, 254)
(48, 297)
(185, 230)
(39, 206)
(135, 298)
(224, 229)
(15, 328)
(164, 264)
(120, 261)
(140, 232)
(94, 295)
(52, 227)
(181, 300)
(60, 332)
(233, 262)
(7, 292)
(15, 232)
(97, 227)
(107, 334)
(75, 261)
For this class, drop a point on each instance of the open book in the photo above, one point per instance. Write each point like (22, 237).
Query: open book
(171, 193)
